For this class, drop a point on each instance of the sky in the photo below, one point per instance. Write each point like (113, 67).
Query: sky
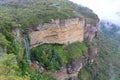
(106, 9)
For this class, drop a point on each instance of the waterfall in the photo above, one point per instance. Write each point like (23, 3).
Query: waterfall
(27, 47)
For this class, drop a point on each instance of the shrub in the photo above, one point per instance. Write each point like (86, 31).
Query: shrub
(75, 49)
(84, 74)
(47, 55)
(52, 56)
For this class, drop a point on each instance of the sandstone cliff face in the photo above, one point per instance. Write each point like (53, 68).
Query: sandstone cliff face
(72, 70)
(64, 32)
(59, 31)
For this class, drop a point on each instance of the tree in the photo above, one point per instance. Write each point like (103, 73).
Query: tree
(3, 41)
(8, 64)
(9, 69)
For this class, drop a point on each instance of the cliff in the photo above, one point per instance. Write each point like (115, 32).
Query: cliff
(59, 31)
(65, 32)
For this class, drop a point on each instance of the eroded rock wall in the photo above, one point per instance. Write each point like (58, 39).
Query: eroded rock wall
(64, 32)
(90, 31)
(59, 31)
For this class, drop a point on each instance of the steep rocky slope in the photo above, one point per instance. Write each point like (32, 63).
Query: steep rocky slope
(58, 31)
(64, 33)
(49, 36)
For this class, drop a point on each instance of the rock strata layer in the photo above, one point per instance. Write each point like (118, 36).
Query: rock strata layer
(58, 31)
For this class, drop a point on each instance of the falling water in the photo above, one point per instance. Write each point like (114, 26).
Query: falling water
(27, 49)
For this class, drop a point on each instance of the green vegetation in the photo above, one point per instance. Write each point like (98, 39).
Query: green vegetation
(47, 55)
(25, 15)
(109, 53)
(52, 56)
(75, 49)
(31, 13)
(9, 69)
(108, 57)
(3, 41)
(106, 65)
(45, 76)
(84, 74)
(8, 64)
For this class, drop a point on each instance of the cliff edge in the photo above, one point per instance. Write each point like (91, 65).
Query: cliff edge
(67, 32)
(49, 36)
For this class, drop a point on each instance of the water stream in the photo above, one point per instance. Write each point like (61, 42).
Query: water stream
(27, 48)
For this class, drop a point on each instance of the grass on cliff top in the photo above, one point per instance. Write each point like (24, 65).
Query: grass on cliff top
(53, 56)
(26, 14)
(31, 13)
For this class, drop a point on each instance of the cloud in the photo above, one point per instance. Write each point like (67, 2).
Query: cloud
(106, 9)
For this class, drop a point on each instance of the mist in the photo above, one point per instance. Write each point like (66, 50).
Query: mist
(106, 9)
